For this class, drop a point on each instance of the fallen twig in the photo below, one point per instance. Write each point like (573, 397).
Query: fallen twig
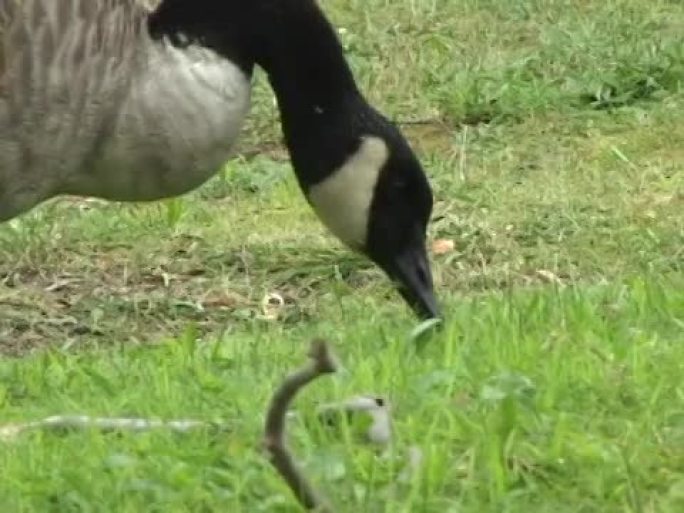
(321, 362)
(10, 431)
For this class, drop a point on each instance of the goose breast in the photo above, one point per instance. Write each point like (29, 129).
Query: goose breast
(91, 105)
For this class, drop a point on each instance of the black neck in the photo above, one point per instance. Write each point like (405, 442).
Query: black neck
(322, 111)
(303, 58)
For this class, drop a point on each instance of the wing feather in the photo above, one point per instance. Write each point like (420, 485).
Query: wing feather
(64, 70)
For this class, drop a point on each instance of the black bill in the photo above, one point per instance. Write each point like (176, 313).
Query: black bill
(411, 271)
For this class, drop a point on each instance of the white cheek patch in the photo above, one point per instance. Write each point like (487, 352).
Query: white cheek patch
(343, 200)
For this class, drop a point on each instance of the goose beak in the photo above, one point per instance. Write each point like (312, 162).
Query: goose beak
(411, 271)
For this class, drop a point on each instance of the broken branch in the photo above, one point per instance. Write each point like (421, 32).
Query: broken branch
(321, 361)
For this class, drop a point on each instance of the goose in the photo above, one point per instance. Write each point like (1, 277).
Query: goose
(140, 100)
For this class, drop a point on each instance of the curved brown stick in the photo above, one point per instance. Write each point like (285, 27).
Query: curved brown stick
(321, 362)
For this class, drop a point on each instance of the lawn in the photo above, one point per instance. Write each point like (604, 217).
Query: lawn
(553, 134)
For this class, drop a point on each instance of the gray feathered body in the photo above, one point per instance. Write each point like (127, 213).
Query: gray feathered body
(90, 105)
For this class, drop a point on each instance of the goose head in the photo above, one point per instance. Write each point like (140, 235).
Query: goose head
(354, 166)
(377, 200)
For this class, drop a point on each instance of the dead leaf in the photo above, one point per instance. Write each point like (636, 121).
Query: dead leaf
(272, 305)
(442, 246)
(222, 299)
(548, 276)
(372, 413)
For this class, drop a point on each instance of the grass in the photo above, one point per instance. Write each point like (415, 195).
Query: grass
(552, 133)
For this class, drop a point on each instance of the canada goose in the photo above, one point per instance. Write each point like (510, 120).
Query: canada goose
(117, 100)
